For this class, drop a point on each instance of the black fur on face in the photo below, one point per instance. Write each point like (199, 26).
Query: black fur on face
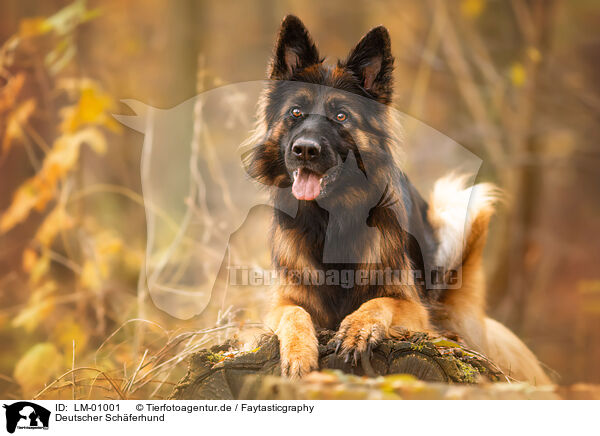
(367, 70)
(315, 115)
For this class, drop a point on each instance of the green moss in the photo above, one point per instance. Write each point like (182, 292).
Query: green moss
(441, 342)
(214, 357)
(417, 347)
(468, 372)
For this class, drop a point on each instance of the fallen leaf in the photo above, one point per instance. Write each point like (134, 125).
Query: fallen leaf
(90, 276)
(472, 8)
(38, 307)
(35, 26)
(30, 258)
(15, 122)
(517, 74)
(68, 330)
(24, 200)
(36, 192)
(56, 221)
(92, 108)
(10, 91)
(39, 270)
(36, 367)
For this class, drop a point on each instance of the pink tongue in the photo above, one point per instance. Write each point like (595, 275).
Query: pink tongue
(306, 186)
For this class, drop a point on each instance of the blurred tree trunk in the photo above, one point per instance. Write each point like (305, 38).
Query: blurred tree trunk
(513, 279)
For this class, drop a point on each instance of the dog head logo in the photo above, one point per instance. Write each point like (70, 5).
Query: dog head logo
(26, 415)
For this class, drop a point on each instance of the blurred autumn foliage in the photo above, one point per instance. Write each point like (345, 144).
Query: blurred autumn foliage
(515, 82)
(51, 112)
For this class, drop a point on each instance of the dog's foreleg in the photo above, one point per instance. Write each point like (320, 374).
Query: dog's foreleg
(298, 345)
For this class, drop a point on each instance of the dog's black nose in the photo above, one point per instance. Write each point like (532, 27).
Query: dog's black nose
(306, 149)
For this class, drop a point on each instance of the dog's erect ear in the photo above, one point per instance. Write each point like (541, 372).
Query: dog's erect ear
(372, 63)
(294, 49)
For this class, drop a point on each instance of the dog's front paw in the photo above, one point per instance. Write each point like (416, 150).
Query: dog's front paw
(298, 344)
(358, 334)
(299, 358)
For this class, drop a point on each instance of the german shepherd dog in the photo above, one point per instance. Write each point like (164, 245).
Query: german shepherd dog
(326, 132)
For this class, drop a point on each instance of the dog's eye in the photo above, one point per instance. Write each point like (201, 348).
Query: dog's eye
(296, 112)
(341, 116)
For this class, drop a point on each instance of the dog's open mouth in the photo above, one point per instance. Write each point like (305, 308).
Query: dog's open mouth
(308, 185)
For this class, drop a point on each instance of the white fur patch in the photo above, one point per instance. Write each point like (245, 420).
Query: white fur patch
(452, 210)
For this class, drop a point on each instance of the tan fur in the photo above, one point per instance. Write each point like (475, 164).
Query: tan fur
(509, 353)
(298, 343)
(460, 218)
(371, 322)
(286, 242)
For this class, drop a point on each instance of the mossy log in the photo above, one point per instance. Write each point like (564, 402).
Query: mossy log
(222, 373)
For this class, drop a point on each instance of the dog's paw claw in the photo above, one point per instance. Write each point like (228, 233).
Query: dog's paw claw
(296, 365)
(337, 344)
(358, 337)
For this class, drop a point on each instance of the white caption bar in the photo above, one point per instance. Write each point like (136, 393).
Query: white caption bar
(295, 417)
